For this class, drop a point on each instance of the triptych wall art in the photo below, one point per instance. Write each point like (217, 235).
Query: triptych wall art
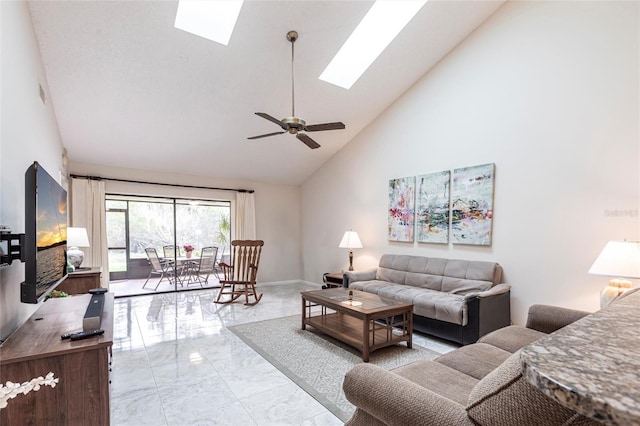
(432, 209)
(401, 208)
(443, 206)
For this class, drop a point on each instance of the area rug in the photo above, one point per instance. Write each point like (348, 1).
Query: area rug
(318, 363)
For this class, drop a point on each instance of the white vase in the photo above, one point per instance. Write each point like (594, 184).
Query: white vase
(75, 256)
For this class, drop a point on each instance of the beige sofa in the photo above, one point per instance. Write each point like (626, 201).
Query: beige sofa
(478, 384)
(458, 300)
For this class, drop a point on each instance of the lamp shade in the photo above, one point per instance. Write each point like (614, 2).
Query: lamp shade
(618, 259)
(77, 237)
(350, 240)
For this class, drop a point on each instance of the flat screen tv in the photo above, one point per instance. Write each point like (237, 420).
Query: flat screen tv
(45, 248)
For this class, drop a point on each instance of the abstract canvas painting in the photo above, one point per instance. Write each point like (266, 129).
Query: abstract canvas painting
(401, 209)
(472, 205)
(432, 207)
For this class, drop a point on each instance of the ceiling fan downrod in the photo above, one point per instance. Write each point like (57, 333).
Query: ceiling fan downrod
(292, 36)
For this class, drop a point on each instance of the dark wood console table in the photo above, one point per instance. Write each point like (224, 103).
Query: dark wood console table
(81, 396)
(81, 281)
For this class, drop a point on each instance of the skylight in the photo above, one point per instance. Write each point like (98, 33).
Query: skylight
(213, 20)
(378, 28)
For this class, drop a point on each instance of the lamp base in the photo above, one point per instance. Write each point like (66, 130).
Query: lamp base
(75, 256)
(351, 260)
(611, 292)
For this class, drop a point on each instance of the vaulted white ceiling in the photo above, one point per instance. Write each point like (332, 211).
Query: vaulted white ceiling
(130, 90)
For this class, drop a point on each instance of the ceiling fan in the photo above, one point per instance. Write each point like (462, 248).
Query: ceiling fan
(293, 124)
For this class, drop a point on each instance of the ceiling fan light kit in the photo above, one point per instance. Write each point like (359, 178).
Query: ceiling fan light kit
(293, 124)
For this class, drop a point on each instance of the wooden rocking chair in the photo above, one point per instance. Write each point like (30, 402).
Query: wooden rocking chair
(240, 277)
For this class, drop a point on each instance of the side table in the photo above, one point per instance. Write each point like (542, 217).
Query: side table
(333, 280)
(81, 281)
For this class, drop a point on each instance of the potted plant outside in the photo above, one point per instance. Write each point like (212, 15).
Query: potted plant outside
(188, 249)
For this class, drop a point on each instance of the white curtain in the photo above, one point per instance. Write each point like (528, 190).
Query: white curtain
(88, 211)
(245, 216)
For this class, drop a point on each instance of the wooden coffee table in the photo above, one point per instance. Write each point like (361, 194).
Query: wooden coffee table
(367, 321)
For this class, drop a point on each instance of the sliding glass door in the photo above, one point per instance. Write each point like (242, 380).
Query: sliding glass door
(203, 225)
(117, 239)
(137, 223)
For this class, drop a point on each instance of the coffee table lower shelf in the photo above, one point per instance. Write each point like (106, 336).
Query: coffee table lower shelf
(349, 330)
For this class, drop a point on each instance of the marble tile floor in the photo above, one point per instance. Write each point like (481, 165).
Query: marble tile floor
(176, 363)
(133, 287)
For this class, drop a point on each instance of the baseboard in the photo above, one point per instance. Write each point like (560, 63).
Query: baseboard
(288, 282)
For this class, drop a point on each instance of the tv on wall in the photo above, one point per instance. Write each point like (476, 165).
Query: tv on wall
(45, 249)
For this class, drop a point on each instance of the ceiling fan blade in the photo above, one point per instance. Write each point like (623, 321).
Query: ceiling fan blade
(272, 119)
(325, 126)
(266, 135)
(308, 141)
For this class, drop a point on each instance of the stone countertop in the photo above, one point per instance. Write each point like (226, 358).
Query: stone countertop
(593, 365)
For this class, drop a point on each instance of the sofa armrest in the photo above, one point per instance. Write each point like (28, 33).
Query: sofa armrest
(495, 290)
(366, 275)
(487, 311)
(548, 319)
(395, 400)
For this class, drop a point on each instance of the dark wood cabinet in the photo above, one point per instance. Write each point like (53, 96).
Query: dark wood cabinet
(81, 281)
(81, 396)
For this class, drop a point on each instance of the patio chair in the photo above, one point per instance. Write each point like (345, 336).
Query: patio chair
(201, 269)
(169, 252)
(217, 269)
(158, 267)
(240, 276)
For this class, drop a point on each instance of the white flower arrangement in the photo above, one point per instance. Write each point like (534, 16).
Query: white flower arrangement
(11, 390)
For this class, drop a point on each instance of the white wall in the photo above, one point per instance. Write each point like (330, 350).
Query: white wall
(29, 133)
(277, 210)
(548, 91)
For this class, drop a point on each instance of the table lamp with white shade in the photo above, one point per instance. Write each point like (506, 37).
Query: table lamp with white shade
(76, 237)
(350, 240)
(620, 259)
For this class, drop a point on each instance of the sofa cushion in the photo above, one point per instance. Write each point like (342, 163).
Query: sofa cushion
(405, 293)
(475, 360)
(448, 275)
(370, 286)
(441, 306)
(427, 303)
(391, 275)
(504, 397)
(471, 270)
(415, 279)
(547, 319)
(464, 286)
(511, 338)
(439, 378)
